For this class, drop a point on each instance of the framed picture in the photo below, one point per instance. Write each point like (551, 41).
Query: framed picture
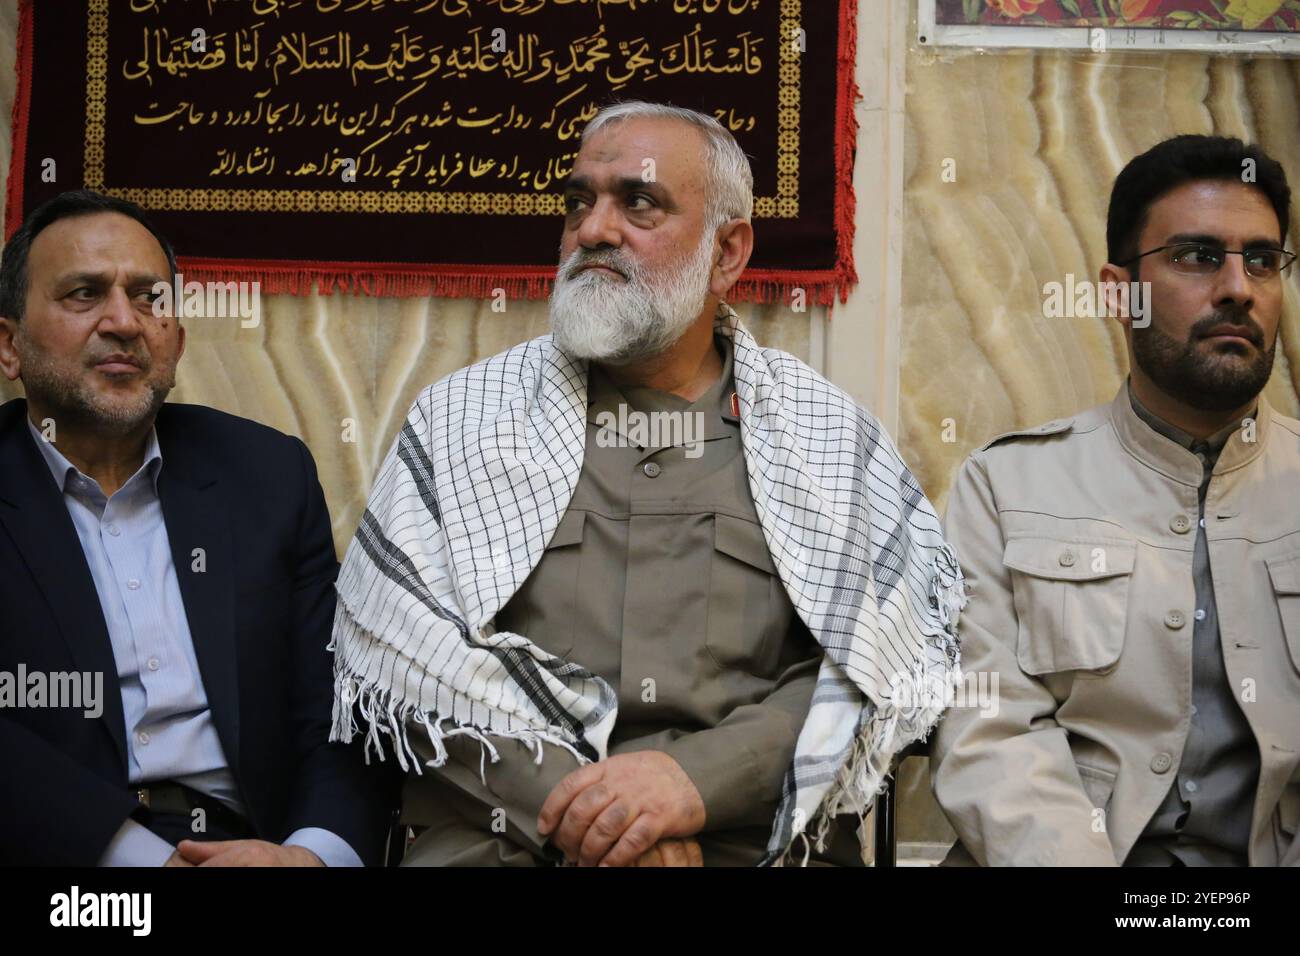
(1214, 26)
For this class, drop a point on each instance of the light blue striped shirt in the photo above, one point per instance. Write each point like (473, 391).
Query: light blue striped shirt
(169, 730)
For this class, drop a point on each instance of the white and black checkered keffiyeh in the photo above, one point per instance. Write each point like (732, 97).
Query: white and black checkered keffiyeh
(477, 482)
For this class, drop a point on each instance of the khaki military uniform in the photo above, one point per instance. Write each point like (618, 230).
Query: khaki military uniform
(658, 579)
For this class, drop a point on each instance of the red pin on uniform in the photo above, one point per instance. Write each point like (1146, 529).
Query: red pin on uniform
(735, 404)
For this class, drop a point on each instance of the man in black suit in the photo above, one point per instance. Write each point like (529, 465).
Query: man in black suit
(179, 558)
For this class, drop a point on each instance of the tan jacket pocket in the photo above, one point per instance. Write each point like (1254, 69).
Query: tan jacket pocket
(1284, 572)
(1071, 599)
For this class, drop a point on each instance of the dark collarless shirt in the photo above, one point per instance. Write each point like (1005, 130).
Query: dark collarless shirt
(1205, 818)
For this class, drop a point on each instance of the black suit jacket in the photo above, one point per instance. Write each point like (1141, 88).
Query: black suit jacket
(260, 613)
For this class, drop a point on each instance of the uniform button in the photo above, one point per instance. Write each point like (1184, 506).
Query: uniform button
(1200, 614)
(1067, 559)
(153, 664)
(1174, 620)
(142, 737)
(651, 469)
(1190, 786)
(133, 584)
(1180, 524)
(1161, 762)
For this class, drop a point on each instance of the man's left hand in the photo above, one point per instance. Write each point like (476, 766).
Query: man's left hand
(611, 812)
(246, 853)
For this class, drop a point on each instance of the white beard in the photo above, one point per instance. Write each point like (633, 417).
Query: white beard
(602, 318)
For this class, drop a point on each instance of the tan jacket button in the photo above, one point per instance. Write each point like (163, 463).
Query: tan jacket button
(1180, 524)
(1175, 620)
(1161, 762)
(1067, 559)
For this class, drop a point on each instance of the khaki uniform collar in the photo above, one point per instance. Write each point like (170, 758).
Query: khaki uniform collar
(1174, 460)
(604, 398)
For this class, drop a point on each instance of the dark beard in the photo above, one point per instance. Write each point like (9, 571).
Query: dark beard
(1199, 381)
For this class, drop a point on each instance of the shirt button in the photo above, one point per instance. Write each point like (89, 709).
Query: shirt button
(1190, 786)
(142, 738)
(1200, 614)
(651, 469)
(1180, 524)
(112, 529)
(1193, 710)
(1174, 620)
(1067, 559)
(153, 664)
(1161, 762)
(133, 584)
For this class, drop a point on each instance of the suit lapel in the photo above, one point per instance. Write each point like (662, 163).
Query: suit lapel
(199, 533)
(34, 514)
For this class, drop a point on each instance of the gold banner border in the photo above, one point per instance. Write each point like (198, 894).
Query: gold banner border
(785, 205)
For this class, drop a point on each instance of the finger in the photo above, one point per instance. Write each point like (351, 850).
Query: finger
(197, 852)
(644, 833)
(674, 852)
(651, 857)
(694, 854)
(557, 802)
(603, 833)
(582, 812)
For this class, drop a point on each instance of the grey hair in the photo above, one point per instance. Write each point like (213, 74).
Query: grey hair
(731, 186)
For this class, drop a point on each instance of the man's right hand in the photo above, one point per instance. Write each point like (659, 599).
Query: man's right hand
(673, 852)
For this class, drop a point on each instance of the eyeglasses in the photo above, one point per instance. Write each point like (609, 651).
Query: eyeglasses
(1205, 259)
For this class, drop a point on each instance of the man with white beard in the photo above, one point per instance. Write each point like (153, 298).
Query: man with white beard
(608, 648)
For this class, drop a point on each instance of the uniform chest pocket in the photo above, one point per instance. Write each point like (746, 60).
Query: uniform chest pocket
(1284, 572)
(1071, 598)
(545, 607)
(749, 612)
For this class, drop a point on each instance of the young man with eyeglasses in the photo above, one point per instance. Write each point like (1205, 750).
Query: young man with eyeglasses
(1134, 570)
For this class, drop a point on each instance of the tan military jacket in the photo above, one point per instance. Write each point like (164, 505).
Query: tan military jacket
(1077, 540)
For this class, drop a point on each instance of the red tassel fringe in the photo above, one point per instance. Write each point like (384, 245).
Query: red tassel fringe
(22, 111)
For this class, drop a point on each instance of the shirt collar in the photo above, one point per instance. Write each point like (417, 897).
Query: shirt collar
(604, 396)
(1158, 447)
(1174, 433)
(64, 470)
